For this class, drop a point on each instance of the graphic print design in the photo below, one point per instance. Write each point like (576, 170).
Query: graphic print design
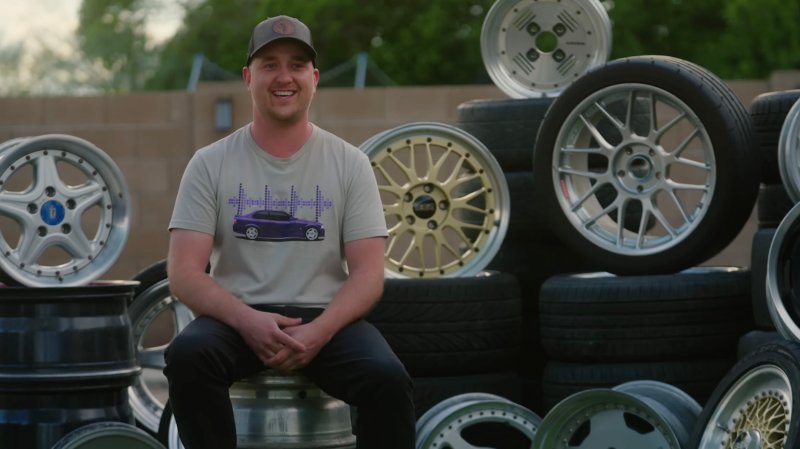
(272, 220)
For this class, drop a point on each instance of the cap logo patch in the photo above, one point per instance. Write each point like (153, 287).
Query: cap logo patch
(283, 26)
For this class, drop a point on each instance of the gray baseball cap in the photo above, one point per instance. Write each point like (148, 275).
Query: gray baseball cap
(280, 27)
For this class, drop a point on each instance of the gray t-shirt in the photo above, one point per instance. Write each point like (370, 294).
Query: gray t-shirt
(280, 224)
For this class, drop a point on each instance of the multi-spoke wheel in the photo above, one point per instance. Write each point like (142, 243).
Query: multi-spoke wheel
(753, 406)
(535, 48)
(156, 318)
(475, 420)
(64, 211)
(654, 138)
(444, 197)
(789, 152)
(633, 415)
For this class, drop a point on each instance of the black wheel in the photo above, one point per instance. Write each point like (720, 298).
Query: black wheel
(691, 168)
(150, 275)
(754, 404)
(452, 326)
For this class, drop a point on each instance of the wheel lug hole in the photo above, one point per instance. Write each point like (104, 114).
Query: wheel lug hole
(50, 191)
(628, 151)
(621, 173)
(70, 204)
(66, 228)
(444, 205)
(639, 189)
(432, 225)
(428, 188)
(32, 208)
(408, 197)
(42, 231)
(410, 219)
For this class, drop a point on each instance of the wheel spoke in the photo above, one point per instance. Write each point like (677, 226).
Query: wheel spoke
(152, 357)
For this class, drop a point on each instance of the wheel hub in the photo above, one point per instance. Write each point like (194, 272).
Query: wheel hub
(426, 206)
(637, 169)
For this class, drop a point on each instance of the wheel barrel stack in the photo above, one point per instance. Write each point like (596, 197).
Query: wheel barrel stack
(66, 352)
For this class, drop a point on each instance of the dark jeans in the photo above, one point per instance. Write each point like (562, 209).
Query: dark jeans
(356, 366)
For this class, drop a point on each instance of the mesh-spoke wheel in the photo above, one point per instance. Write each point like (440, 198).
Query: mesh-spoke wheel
(789, 153)
(753, 406)
(653, 140)
(445, 200)
(534, 48)
(475, 420)
(633, 415)
(156, 318)
(64, 211)
(783, 277)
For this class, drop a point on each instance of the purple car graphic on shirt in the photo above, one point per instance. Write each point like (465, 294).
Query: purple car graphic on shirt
(276, 225)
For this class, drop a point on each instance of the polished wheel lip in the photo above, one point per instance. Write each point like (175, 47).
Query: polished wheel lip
(449, 402)
(762, 382)
(147, 409)
(592, 18)
(90, 257)
(443, 429)
(564, 419)
(785, 236)
(789, 153)
(577, 200)
(425, 194)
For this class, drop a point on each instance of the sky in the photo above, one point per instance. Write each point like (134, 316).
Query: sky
(55, 20)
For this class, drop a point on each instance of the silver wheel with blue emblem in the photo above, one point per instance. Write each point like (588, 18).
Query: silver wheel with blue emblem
(64, 211)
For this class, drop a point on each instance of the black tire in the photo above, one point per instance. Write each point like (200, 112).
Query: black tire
(751, 341)
(768, 112)
(603, 318)
(732, 140)
(507, 127)
(452, 326)
(779, 362)
(759, 251)
(148, 276)
(697, 378)
(773, 205)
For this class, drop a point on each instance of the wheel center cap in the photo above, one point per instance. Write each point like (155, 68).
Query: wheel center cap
(424, 206)
(52, 212)
(640, 167)
(749, 439)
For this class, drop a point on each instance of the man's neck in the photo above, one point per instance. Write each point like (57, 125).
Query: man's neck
(281, 140)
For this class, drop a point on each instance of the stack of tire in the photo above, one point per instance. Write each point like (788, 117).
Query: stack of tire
(67, 357)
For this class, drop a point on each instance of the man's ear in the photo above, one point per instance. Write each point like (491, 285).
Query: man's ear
(246, 76)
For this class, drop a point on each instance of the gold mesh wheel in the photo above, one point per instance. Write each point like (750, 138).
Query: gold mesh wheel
(445, 200)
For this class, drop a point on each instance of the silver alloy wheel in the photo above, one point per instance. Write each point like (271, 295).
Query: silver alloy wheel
(446, 428)
(312, 234)
(672, 185)
(445, 404)
(755, 412)
(633, 415)
(156, 318)
(64, 211)
(789, 153)
(535, 48)
(445, 200)
(781, 277)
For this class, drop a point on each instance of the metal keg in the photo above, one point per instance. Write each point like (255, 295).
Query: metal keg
(66, 360)
(272, 410)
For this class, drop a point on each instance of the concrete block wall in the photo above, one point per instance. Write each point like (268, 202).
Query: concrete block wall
(151, 136)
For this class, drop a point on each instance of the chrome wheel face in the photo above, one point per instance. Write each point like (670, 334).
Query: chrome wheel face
(536, 48)
(156, 318)
(782, 276)
(754, 414)
(789, 153)
(445, 200)
(652, 151)
(451, 426)
(64, 211)
(631, 416)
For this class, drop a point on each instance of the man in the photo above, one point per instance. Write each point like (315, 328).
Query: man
(325, 196)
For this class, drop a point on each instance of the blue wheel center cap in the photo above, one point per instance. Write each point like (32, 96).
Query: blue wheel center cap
(52, 212)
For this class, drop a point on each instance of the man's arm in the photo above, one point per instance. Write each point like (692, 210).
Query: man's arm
(189, 252)
(357, 296)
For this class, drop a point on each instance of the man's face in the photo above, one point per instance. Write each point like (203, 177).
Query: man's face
(282, 80)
